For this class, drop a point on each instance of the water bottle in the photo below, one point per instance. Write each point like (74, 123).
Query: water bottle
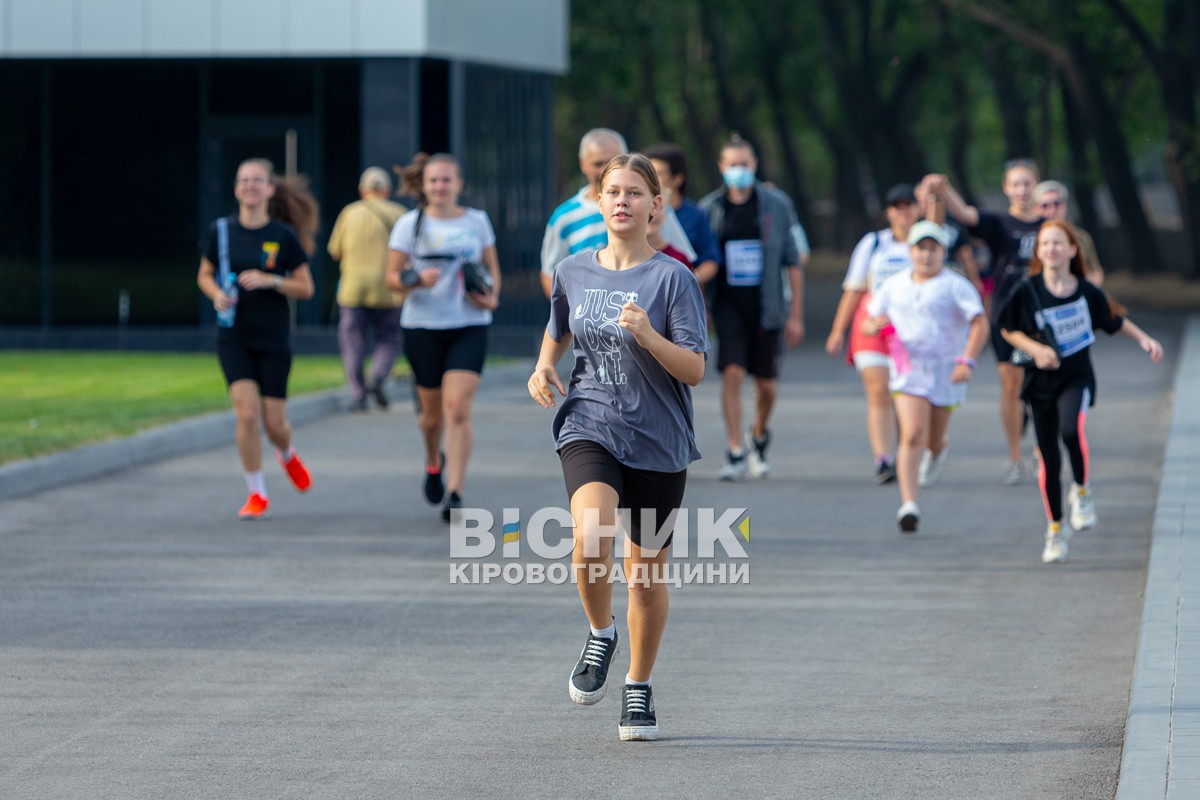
(229, 287)
(895, 348)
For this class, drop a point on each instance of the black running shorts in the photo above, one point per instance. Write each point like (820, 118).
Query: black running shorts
(742, 342)
(268, 368)
(432, 353)
(588, 462)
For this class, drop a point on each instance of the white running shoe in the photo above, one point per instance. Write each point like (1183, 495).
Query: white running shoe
(1055, 551)
(931, 467)
(734, 468)
(1015, 474)
(908, 517)
(1083, 510)
(756, 452)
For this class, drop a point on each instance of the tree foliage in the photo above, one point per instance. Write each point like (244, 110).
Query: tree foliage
(844, 97)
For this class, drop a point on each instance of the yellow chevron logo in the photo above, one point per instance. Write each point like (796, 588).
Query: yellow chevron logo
(745, 529)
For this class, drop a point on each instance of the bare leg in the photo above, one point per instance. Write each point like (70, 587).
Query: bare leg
(246, 408)
(458, 392)
(430, 424)
(939, 429)
(881, 414)
(913, 414)
(1011, 407)
(731, 404)
(275, 420)
(592, 556)
(647, 617)
(766, 390)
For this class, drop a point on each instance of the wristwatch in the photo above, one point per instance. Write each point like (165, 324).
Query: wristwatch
(278, 280)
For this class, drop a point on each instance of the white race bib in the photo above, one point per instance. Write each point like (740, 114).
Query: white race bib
(744, 262)
(1072, 326)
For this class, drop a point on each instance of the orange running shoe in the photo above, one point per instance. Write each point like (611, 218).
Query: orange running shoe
(296, 471)
(255, 508)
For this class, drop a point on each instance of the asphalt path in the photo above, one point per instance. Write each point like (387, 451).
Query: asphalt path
(153, 646)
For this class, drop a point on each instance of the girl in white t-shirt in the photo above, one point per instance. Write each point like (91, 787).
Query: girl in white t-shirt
(939, 328)
(445, 325)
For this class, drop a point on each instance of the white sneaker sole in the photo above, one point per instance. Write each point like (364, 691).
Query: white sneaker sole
(1083, 523)
(638, 733)
(759, 470)
(590, 698)
(586, 698)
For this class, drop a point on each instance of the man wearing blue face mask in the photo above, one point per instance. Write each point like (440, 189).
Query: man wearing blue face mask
(758, 299)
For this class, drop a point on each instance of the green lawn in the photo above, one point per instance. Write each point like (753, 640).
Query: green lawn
(51, 401)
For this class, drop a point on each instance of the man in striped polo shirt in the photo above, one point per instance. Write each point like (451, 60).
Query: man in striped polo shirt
(576, 225)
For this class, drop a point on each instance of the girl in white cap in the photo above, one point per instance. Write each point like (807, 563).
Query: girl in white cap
(936, 325)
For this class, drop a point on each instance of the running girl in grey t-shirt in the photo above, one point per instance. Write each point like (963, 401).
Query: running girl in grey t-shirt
(624, 432)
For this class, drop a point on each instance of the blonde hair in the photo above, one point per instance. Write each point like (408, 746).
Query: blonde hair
(638, 163)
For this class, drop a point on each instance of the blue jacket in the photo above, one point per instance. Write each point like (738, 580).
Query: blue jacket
(778, 224)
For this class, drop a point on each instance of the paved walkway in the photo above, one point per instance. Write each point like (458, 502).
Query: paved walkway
(152, 646)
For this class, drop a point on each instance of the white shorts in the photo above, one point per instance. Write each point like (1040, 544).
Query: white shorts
(929, 379)
(864, 359)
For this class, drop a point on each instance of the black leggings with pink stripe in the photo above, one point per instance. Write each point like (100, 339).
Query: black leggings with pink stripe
(1062, 418)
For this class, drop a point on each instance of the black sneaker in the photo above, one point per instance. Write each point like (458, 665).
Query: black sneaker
(587, 685)
(885, 472)
(379, 395)
(435, 490)
(639, 723)
(453, 501)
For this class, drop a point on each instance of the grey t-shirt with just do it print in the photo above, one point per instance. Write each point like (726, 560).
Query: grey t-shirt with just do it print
(619, 396)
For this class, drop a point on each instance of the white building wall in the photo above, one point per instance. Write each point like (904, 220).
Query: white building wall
(522, 34)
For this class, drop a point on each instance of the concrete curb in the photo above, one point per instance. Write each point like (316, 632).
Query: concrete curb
(182, 438)
(157, 444)
(1161, 757)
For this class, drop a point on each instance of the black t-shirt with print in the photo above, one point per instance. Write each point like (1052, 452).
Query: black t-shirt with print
(741, 224)
(1085, 310)
(263, 320)
(1011, 243)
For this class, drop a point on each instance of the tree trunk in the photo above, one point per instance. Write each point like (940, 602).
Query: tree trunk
(1114, 160)
(1013, 107)
(1082, 187)
(1180, 64)
(850, 218)
(731, 110)
(775, 32)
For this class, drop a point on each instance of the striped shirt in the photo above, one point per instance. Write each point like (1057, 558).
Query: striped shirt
(577, 225)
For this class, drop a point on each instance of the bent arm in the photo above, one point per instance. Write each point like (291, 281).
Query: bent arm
(396, 264)
(682, 364)
(1143, 339)
(841, 320)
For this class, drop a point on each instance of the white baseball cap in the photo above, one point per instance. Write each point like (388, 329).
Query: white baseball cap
(927, 230)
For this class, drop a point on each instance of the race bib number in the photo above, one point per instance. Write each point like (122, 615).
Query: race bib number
(1072, 326)
(744, 262)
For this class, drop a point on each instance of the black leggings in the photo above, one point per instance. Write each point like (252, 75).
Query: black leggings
(1062, 418)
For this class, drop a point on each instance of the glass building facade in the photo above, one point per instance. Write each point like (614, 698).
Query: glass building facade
(112, 168)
